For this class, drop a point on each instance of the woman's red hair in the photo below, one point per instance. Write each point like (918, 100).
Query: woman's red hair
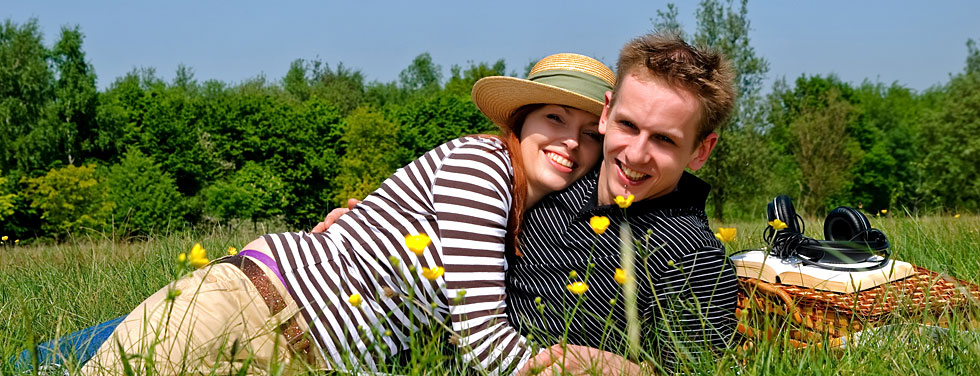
(510, 136)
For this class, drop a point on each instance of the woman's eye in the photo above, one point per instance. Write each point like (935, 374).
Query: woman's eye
(554, 117)
(594, 135)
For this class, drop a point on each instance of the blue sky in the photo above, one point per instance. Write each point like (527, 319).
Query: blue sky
(917, 44)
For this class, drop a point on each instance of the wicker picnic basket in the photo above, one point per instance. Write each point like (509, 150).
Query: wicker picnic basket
(812, 316)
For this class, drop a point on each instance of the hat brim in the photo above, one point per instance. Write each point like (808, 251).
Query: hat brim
(498, 97)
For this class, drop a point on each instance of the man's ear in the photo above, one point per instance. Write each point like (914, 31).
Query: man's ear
(605, 113)
(702, 152)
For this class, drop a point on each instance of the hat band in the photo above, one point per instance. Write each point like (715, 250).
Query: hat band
(578, 82)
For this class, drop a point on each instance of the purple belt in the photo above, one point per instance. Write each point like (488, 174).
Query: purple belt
(268, 261)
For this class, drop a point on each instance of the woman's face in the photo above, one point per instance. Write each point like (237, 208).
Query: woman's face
(558, 144)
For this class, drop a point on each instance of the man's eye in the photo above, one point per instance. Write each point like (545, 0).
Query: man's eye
(627, 124)
(665, 139)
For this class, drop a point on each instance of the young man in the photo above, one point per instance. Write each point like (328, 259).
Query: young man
(660, 119)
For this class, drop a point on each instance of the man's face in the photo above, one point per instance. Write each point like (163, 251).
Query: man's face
(651, 136)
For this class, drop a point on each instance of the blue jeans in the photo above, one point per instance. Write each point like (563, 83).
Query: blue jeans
(77, 347)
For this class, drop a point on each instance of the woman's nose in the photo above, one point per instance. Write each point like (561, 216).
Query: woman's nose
(571, 142)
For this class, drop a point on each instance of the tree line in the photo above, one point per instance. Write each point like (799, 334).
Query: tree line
(145, 155)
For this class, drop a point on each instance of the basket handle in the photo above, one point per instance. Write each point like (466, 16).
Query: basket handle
(773, 290)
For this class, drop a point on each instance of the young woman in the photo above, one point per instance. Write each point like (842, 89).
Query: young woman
(427, 247)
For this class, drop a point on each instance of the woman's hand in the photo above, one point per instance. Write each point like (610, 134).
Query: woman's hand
(334, 215)
(579, 360)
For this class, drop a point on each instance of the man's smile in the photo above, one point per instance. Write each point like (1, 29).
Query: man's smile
(631, 175)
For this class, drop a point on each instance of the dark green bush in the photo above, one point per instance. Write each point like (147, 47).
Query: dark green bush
(146, 197)
(253, 192)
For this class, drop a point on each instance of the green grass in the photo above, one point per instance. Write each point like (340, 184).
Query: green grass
(49, 290)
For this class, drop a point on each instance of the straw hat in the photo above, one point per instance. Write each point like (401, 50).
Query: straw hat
(566, 79)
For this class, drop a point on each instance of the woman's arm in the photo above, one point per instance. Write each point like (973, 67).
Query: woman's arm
(471, 199)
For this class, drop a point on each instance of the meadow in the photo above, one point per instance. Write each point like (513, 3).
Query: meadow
(51, 289)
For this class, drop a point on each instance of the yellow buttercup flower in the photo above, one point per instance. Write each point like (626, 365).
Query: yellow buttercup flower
(577, 288)
(4, 238)
(777, 224)
(198, 256)
(726, 234)
(232, 251)
(417, 243)
(884, 211)
(182, 257)
(599, 224)
(620, 276)
(957, 215)
(432, 274)
(355, 300)
(624, 202)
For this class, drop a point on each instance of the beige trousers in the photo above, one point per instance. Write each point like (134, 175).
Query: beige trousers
(217, 324)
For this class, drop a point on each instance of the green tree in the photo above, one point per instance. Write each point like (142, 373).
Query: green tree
(733, 170)
(666, 21)
(371, 155)
(167, 123)
(184, 79)
(299, 142)
(948, 176)
(73, 113)
(885, 127)
(824, 151)
(253, 192)
(71, 199)
(120, 114)
(383, 95)
(342, 87)
(295, 82)
(427, 122)
(461, 81)
(972, 56)
(146, 198)
(811, 144)
(421, 75)
(26, 89)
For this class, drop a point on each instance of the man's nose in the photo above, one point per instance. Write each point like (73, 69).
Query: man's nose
(637, 152)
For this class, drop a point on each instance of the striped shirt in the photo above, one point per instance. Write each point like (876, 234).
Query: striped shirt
(459, 194)
(686, 296)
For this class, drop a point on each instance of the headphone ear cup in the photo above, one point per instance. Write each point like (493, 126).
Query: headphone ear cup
(781, 208)
(844, 223)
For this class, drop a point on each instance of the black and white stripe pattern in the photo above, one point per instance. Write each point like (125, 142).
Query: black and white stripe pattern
(687, 308)
(459, 194)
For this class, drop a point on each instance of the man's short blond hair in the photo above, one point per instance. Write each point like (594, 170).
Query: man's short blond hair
(703, 71)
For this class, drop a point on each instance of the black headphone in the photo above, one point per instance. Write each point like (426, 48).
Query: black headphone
(850, 239)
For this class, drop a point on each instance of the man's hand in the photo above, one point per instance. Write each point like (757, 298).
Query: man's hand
(541, 364)
(579, 360)
(334, 215)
